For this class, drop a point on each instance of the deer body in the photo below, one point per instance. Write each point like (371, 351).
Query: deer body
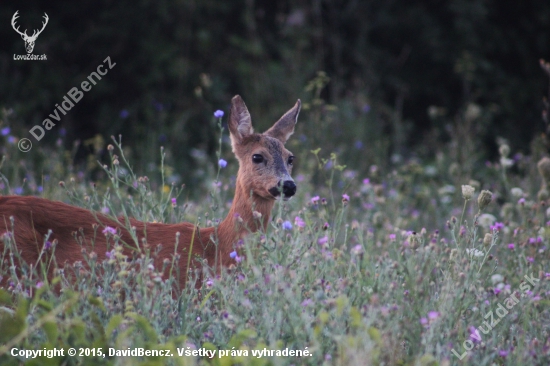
(263, 177)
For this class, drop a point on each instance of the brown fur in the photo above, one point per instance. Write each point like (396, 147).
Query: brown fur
(34, 216)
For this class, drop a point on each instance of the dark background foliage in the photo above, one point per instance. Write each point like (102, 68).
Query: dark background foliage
(177, 61)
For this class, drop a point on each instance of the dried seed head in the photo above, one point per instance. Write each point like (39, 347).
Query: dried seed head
(467, 192)
(544, 168)
(487, 239)
(484, 199)
(504, 150)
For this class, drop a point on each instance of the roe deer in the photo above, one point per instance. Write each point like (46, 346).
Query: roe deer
(264, 173)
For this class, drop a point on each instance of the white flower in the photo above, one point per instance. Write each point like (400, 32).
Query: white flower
(467, 192)
(505, 162)
(474, 252)
(517, 192)
(497, 278)
(486, 220)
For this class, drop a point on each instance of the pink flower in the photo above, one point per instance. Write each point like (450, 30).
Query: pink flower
(323, 240)
(511, 246)
(109, 230)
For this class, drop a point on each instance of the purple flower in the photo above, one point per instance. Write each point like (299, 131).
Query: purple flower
(124, 114)
(5, 131)
(345, 198)
(39, 284)
(110, 255)
(299, 222)
(218, 114)
(521, 201)
(530, 259)
(12, 139)
(323, 240)
(47, 245)
(18, 190)
(423, 321)
(511, 246)
(174, 202)
(366, 181)
(392, 237)
(503, 353)
(307, 302)
(222, 163)
(233, 254)
(287, 225)
(497, 226)
(109, 230)
(209, 283)
(433, 315)
(358, 249)
(315, 200)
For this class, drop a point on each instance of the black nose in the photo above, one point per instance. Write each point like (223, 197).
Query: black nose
(289, 188)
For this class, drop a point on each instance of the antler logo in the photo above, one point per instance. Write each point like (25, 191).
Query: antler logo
(29, 40)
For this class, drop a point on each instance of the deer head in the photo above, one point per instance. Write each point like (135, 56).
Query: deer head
(29, 40)
(265, 164)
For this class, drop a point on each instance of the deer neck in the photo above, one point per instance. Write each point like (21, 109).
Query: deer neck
(241, 219)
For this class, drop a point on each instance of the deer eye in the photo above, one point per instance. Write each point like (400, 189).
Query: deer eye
(257, 158)
(290, 160)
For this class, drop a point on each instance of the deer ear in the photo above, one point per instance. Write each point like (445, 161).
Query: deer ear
(284, 127)
(240, 124)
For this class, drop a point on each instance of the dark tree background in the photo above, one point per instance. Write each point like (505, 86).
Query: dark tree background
(178, 60)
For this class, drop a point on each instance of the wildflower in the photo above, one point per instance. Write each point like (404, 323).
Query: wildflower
(5, 131)
(484, 199)
(257, 215)
(323, 240)
(497, 226)
(109, 230)
(486, 220)
(516, 192)
(218, 114)
(544, 168)
(124, 114)
(39, 284)
(530, 259)
(209, 283)
(503, 353)
(511, 246)
(345, 198)
(521, 201)
(474, 252)
(392, 237)
(366, 181)
(487, 239)
(358, 249)
(233, 254)
(505, 162)
(433, 315)
(174, 202)
(287, 225)
(299, 222)
(468, 192)
(326, 225)
(497, 278)
(47, 245)
(423, 321)
(222, 163)
(315, 200)
(307, 302)
(504, 150)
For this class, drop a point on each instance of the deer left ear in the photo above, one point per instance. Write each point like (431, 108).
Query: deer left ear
(284, 127)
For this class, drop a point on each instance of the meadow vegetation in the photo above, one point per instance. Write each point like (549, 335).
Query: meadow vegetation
(389, 265)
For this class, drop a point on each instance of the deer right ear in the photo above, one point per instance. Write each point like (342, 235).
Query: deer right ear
(240, 124)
